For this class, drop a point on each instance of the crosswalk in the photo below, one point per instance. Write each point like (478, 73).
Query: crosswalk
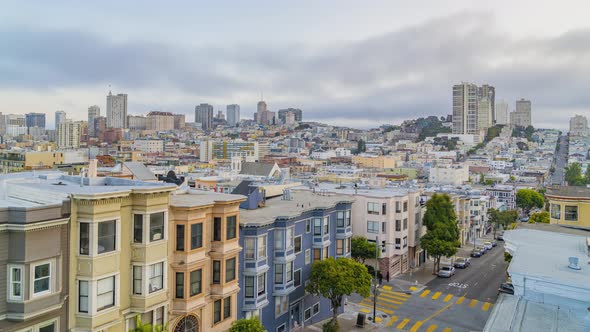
(449, 298)
(387, 301)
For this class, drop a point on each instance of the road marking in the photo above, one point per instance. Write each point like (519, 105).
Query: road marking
(486, 306)
(436, 295)
(403, 323)
(416, 326)
(438, 312)
(413, 288)
(431, 328)
(365, 310)
(448, 298)
(391, 321)
(389, 312)
(424, 293)
(460, 300)
(388, 300)
(377, 319)
(379, 303)
(448, 329)
(392, 298)
(386, 287)
(472, 303)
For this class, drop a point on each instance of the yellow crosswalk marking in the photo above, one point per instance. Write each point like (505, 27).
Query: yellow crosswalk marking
(377, 319)
(486, 306)
(365, 310)
(381, 304)
(460, 300)
(436, 295)
(431, 328)
(424, 293)
(392, 299)
(403, 323)
(448, 298)
(391, 321)
(472, 303)
(412, 288)
(391, 292)
(384, 299)
(386, 287)
(387, 311)
(416, 326)
(448, 329)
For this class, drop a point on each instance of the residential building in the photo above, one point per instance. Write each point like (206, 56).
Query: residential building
(93, 113)
(160, 121)
(465, 102)
(489, 92)
(35, 120)
(2, 124)
(505, 195)
(522, 114)
(280, 241)
(502, 117)
(379, 162)
(204, 116)
(16, 124)
(60, 116)
(579, 126)
(137, 122)
(149, 145)
(232, 114)
(100, 125)
(204, 260)
(179, 121)
(69, 133)
(117, 110)
(569, 205)
(456, 174)
(18, 160)
(210, 150)
(484, 113)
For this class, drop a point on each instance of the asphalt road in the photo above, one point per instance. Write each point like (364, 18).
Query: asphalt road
(558, 176)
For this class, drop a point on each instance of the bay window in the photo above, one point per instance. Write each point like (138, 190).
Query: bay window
(15, 285)
(41, 279)
(230, 227)
(317, 226)
(279, 273)
(230, 269)
(179, 237)
(105, 291)
(137, 280)
(84, 238)
(249, 248)
(179, 285)
(83, 296)
(249, 287)
(262, 247)
(196, 282)
(196, 236)
(216, 272)
(156, 226)
(340, 219)
(107, 236)
(138, 228)
(156, 277)
(261, 284)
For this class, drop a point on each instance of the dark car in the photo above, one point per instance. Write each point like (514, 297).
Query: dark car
(500, 237)
(506, 288)
(475, 253)
(461, 262)
(494, 243)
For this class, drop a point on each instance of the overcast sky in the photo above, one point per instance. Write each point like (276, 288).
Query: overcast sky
(355, 63)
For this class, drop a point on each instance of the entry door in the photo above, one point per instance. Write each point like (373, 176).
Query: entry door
(295, 314)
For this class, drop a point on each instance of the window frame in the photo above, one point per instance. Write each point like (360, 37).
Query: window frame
(50, 282)
(373, 227)
(215, 310)
(229, 221)
(199, 281)
(565, 213)
(135, 228)
(317, 225)
(250, 248)
(348, 218)
(177, 285)
(295, 273)
(558, 210)
(340, 218)
(150, 277)
(89, 239)
(216, 275)
(217, 226)
(114, 291)
(249, 286)
(326, 225)
(296, 239)
(196, 236)
(261, 246)
(98, 237)
(373, 208)
(233, 270)
(80, 296)
(260, 285)
(279, 274)
(307, 226)
(307, 256)
(180, 234)
(339, 248)
(134, 279)
(151, 227)
(11, 282)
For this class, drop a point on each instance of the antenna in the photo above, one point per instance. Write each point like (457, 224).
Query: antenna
(261, 95)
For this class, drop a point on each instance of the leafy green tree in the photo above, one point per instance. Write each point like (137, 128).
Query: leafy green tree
(333, 278)
(247, 325)
(573, 175)
(502, 218)
(587, 176)
(442, 235)
(141, 327)
(540, 217)
(361, 146)
(527, 199)
(361, 249)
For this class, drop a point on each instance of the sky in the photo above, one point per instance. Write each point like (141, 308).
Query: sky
(351, 63)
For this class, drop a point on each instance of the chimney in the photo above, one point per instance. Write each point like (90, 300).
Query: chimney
(92, 168)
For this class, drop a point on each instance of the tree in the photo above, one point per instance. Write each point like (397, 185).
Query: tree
(526, 199)
(587, 176)
(247, 325)
(361, 146)
(573, 175)
(442, 235)
(361, 249)
(333, 278)
(141, 327)
(540, 217)
(503, 218)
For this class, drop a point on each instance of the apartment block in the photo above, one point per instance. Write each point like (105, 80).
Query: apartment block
(225, 150)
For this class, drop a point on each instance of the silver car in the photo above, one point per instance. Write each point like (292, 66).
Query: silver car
(446, 271)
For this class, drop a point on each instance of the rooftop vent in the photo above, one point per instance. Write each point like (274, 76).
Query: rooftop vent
(574, 263)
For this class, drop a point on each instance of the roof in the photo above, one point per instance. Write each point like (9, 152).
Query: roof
(140, 171)
(195, 198)
(569, 191)
(257, 169)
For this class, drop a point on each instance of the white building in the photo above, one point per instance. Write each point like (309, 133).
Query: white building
(149, 145)
(68, 134)
(579, 125)
(325, 155)
(116, 111)
(502, 117)
(232, 114)
(93, 112)
(449, 174)
(225, 150)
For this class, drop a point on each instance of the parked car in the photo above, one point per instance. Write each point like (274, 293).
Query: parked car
(461, 262)
(488, 245)
(507, 288)
(481, 249)
(494, 243)
(446, 271)
(500, 237)
(475, 253)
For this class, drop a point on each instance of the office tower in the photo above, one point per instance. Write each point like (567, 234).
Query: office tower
(16, 124)
(35, 120)
(93, 113)
(160, 121)
(233, 114)
(465, 102)
(502, 117)
(484, 113)
(296, 112)
(263, 115)
(68, 134)
(204, 116)
(522, 114)
(179, 121)
(579, 126)
(488, 91)
(59, 117)
(116, 110)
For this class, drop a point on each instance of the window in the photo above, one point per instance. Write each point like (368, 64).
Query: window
(405, 223)
(289, 238)
(405, 241)
(227, 307)
(289, 271)
(317, 254)
(348, 245)
(398, 243)
(262, 247)
(555, 211)
(307, 256)
(261, 284)
(326, 225)
(230, 269)
(279, 273)
(83, 296)
(279, 236)
(137, 228)
(137, 280)
(159, 312)
(187, 324)
(317, 226)
(297, 278)
(281, 305)
(16, 283)
(48, 327)
(405, 206)
(316, 308)
(180, 285)
(156, 275)
(105, 291)
(398, 207)
(216, 229)
(217, 312)
(348, 218)
(398, 225)
(282, 328)
(157, 226)
(308, 226)
(195, 282)
(339, 247)
(340, 219)
(230, 227)
(84, 238)
(307, 314)
(41, 279)
(107, 235)
(298, 244)
(249, 287)
(249, 247)
(384, 227)
(372, 208)
(196, 236)
(325, 252)
(179, 237)
(384, 208)
(571, 213)
(216, 272)
(372, 226)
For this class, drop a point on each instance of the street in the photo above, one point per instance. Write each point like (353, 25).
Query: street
(560, 162)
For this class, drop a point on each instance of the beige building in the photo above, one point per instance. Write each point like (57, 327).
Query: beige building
(160, 121)
(522, 114)
(579, 126)
(69, 133)
(381, 162)
(449, 174)
(18, 161)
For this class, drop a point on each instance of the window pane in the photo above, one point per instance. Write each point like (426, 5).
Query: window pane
(279, 235)
(278, 273)
(298, 244)
(249, 247)
(138, 228)
(156, 226)
(179, 237)
(230, 269)
(41, 278)
(297, 278)
(196, 282)
(216, 272)
(196, 236)
(217, 311)
(261, 284)
(156, 281)
(216, 229)
(106, 236)
(84, 238)
(226, 307)
(249, 286)
(105, 290)
(48, 328)
(230, 224)
(262, 247)
(137, 280)
(83, 296)
(179, 285)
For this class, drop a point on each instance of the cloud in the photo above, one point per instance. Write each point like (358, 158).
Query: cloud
(385, 79)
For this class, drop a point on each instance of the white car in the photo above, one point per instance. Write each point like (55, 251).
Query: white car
(488, 245)
(446, 271)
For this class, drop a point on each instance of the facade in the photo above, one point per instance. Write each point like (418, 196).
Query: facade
(15, 124)
(117, 110)
(233, 114)
(204, 116)
(484, 113)
(179, 121)
(137, 122)
(69, 133)
(149, 145)
(449, 174)
(93, 113)
(210, 150)
(488, 92)
(579, 126)
(522, 114)
(380, 162)
(100, 125)
(60, 116)
(35, 120)
(502, 117)
(280, 242)
(465, 100)
(2, 124)
(569, 206)
(263, 115)
(18, 161)
(505, 195)
(282, 114)
(160, 121)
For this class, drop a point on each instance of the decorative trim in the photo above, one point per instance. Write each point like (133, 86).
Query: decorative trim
(34, 226)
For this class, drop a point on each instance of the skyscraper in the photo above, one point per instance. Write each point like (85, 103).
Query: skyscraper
(233, 114)
(484, 113)
(465, 102)
(263, 115)
(60, 116)
(2, 124)
(579, 126)
(93, 113)
(35, 120)
(296, 111)
(488, 91)
(204, 116)
(68, 134)
(502, 117)
(522, 114)
(116, 110)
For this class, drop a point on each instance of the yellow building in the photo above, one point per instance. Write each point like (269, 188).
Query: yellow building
(18, 161)
(569, 205)
(383, 162)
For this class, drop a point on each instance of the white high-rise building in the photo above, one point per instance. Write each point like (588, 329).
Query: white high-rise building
(579, 126)
(233, 114)
(116, 110)
(484, 113)
(522, 115)
(60, 116)
(93, 112)
(68, 134)
(465, 109)
(502, 117)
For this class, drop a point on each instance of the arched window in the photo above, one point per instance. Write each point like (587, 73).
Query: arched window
(187, 324)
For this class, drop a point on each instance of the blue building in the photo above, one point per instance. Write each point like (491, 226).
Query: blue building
(280, 241)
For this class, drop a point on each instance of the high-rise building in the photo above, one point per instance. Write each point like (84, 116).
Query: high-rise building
(16, 124)
(100, 125)
(579, 126)
(522, 114)
(2, 124)
(68, 134)
(502, 117)
(233, 114)
(160, 121)
(179, 121)
(93, 113)
(116, 110)
(484, 113)
(35, 120)
(465, 102)
(263, 115)
(489, 92)
(204, 116)
(298, 113)
(59, 117)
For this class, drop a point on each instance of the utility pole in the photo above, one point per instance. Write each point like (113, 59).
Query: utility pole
(377, 248)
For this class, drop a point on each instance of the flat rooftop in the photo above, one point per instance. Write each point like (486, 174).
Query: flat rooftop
(569, 191)
(301, 201)
(193, 198)
(349, 189)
